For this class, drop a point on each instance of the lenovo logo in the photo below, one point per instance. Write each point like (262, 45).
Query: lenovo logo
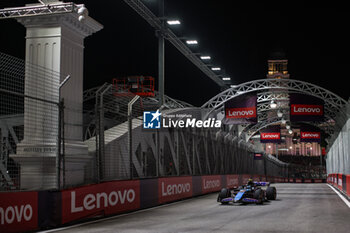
(310, 135)
(170, 189)
(16, 213)
(235, 113)
(302, 109)
(266, 136)
(211, 184)
(98, 200)
(173, 189)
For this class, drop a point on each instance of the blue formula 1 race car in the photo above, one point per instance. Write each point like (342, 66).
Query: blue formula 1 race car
(250, 193)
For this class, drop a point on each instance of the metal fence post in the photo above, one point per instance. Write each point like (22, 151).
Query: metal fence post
(99, 113)
(58, 158)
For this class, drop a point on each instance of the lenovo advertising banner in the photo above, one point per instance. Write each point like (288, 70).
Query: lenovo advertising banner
(306, 108)
(241, 110)
(310, 133)
(175, 188)
(271, 134)
(307, 136)
(106, 198)
(18, 211)
(211, 184)
(232, 181)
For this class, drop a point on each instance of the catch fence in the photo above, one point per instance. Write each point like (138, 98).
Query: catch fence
(38, 128)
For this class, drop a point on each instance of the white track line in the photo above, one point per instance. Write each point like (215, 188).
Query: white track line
(340, 195)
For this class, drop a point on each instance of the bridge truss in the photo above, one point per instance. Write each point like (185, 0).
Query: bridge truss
(279, 90)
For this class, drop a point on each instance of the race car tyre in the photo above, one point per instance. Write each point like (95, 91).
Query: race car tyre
(271, 193)
(224, 193)
(259, 195)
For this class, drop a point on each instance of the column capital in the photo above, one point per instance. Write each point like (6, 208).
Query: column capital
(84, 28)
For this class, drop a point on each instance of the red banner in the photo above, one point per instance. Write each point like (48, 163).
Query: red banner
(18, 211)
(310, 135)
(170, 189)
(211, 184)
(238, 113)
(232, 181)
(348, 185)
(108, 198)
(241, 109)
(306, 109)
(270, 136)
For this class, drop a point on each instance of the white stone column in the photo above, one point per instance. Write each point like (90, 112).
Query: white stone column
(54, 49)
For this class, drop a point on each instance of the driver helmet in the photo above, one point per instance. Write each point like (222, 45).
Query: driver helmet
(250, 181)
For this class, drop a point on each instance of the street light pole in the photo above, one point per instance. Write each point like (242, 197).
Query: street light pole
(161, 54)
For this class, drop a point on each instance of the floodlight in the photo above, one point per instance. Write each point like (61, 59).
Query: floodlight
(173, 22)
(205, 57)
(191, 42)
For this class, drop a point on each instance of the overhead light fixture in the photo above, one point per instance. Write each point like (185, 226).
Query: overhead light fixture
(232, 86)
(173, 22)
(205, 57)
(215, 68)
(273, 104)
(226, 78)
(290, 131)
(279, 113)
(191, 42)
(283, 121)
(287, 126)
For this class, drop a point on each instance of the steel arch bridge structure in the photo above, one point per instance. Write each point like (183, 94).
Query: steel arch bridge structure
(279, 90)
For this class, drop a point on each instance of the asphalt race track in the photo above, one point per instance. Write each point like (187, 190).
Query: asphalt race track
(299, 208)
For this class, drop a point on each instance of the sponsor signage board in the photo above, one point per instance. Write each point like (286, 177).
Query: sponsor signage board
(270, 134)
(171, 189)
(108, 198)
(310, 136)
(236, 113)
(241, 110)
(306, 108)
(18, 211)
(211, 184)
(232, 181)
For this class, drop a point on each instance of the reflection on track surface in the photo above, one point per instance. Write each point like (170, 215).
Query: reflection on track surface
(299, 208)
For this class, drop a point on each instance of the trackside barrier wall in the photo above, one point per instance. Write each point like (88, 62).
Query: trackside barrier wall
(341, 182)
(28, 211)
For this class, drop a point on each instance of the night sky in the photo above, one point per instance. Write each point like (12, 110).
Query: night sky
(239, 38)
